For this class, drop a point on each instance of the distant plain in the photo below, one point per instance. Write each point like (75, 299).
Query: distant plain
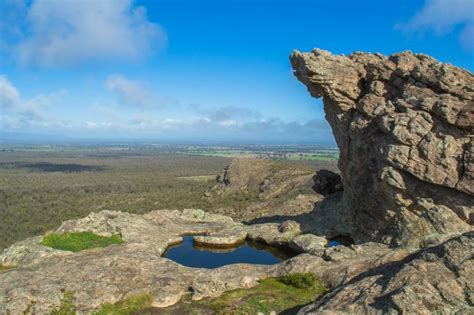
(42, 186)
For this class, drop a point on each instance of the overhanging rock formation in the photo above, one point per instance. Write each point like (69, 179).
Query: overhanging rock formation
(404, 127)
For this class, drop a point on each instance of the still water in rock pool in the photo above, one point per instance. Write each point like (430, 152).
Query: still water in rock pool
(340, 240)
(189, 255)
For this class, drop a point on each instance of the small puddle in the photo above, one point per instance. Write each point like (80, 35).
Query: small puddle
(187, 254)
(340, 240)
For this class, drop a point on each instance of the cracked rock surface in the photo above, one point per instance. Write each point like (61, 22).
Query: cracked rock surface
(404, 128)
(107, 275)
(434, 280)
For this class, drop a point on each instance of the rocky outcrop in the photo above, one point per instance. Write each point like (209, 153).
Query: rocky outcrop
(434, 280)
(404, 127)
(107, 275)
(42, 275)
(253, 188)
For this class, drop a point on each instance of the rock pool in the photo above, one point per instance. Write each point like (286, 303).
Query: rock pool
(187, 254)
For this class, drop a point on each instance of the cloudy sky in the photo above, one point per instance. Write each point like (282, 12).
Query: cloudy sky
(197, 70)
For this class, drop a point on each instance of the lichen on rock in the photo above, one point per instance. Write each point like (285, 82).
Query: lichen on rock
(403, 125)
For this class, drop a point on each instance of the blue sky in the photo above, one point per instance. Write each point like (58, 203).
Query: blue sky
(198, 70)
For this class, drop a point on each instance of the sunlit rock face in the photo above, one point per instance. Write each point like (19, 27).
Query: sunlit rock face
(433, 280)
(404, 127)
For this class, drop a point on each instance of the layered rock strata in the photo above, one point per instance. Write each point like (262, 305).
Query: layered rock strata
(434, 280)
(404, 127)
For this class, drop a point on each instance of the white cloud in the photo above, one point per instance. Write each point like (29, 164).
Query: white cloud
(204, 128)
(218, 123)
(20, 113)
(107, 111)
(443, 16)
(59, 32)
(9, 95)
(130, 92)
(225, 113)
(228, 123)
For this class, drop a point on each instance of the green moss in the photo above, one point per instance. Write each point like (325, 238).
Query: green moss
(130, 305)
(270, 294)
(66, 307)
(5, 268)
(76, 242)
(300, 280)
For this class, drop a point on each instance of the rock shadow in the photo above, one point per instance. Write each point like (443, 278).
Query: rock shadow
(325, 219)
(53, 167)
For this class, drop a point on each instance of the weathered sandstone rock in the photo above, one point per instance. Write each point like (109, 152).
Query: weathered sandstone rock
(289, 226)
(404, 127)
(309, 243)
(108, 275)
(434, 280)
(269, 233)
(227, 237)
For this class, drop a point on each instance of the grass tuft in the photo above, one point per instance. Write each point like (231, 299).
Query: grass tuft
(130, 305)
(78, 241)
(5, 267)
(269, 295)
(300, 280)
(66, 307)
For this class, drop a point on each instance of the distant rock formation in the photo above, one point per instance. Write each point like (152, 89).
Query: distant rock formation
(404, 127)
(253, 188)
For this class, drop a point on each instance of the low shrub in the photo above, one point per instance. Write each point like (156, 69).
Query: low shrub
(130, 305)
(78, 241)
(300, 280)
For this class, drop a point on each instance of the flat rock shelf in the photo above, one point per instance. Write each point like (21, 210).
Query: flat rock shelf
(189, 254)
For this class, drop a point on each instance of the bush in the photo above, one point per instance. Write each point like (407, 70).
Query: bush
(78, 241)
(300, 280)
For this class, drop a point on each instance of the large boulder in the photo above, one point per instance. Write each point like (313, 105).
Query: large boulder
(327, 182)
(404, 127)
